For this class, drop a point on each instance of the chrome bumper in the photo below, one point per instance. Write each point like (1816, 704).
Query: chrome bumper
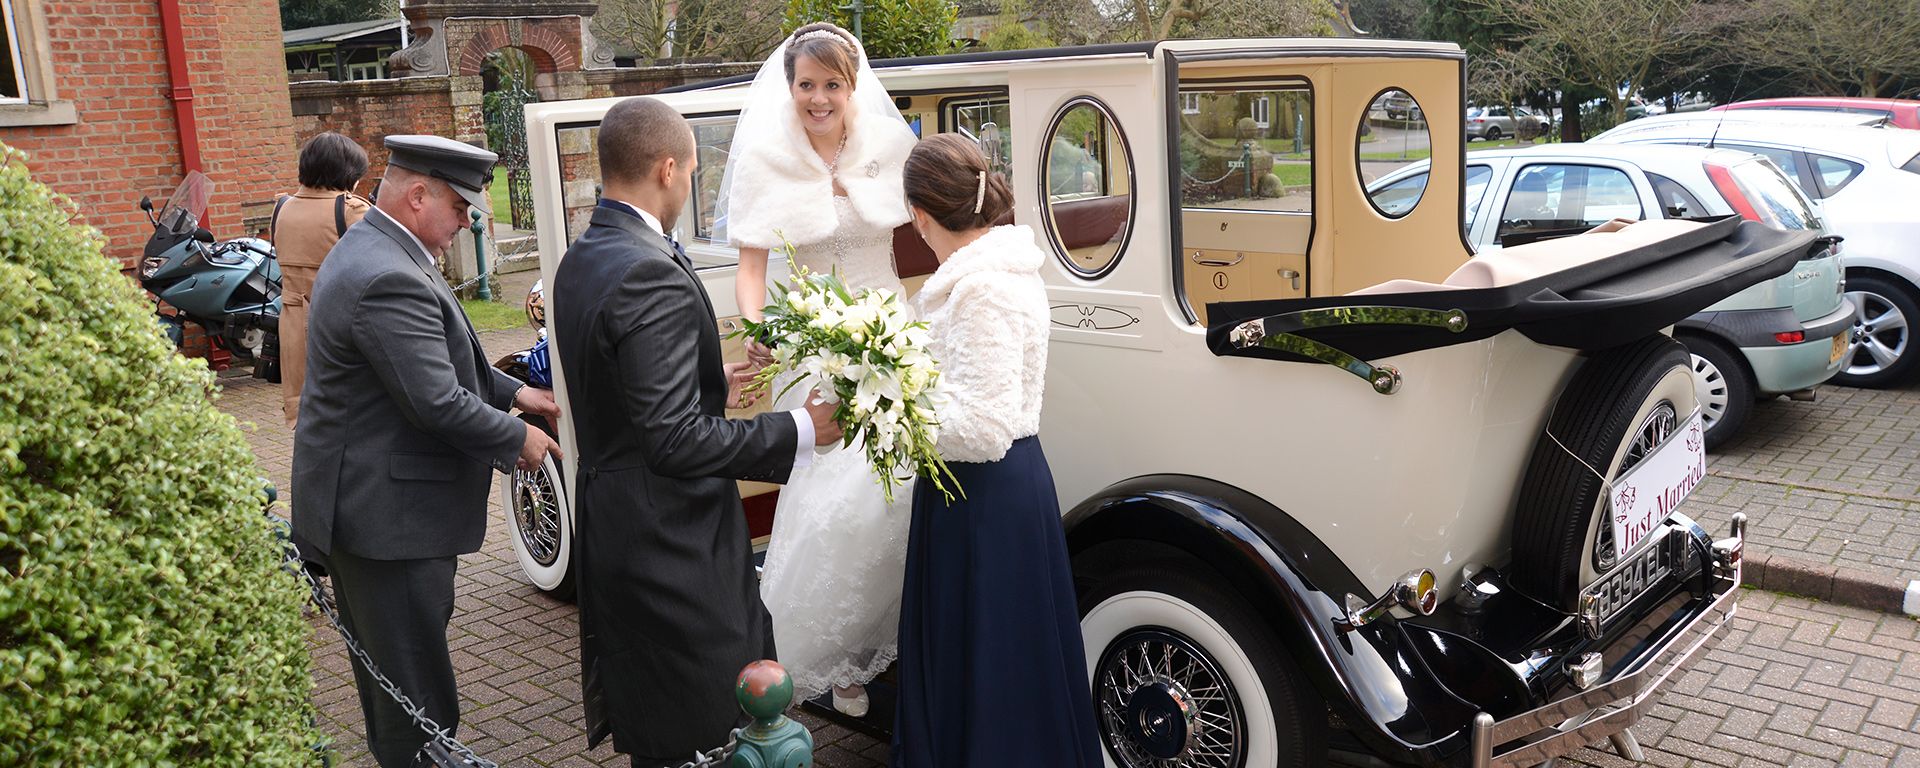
(1564, 726)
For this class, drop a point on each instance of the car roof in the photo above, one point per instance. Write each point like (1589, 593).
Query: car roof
(1659, 158)
(1759, 116)
(1818, 101)
(1878, 144)
(1247, 46)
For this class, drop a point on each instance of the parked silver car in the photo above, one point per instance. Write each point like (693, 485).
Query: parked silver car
(1780, 337)
(1492, 123)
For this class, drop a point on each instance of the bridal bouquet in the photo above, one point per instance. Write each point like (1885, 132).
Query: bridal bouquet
(867, 357)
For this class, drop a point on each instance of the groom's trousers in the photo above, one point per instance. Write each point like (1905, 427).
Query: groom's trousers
(398, 611)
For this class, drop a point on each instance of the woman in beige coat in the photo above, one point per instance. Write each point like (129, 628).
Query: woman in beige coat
(306, 224)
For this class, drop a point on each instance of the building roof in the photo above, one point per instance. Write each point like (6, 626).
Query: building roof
(334, 33)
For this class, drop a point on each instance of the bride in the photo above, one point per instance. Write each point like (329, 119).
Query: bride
(817, 159)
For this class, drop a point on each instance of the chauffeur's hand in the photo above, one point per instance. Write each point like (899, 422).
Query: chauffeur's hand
(535, 400)
(536, 448)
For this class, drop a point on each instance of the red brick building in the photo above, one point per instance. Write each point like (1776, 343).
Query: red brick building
(114, 100)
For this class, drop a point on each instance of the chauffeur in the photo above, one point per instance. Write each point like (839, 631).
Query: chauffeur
(402, 423)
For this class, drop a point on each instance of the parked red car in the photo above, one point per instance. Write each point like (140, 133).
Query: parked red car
(1900, 113)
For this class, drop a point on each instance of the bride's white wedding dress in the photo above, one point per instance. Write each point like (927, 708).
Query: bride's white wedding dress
(837, 555)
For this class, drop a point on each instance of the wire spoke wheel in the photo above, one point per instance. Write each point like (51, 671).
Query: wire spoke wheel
(1164, 703)
(536, 515)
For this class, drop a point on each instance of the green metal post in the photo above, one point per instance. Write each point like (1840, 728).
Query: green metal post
(1246, 167)
(773, 741)
(857, 8)
(480, 253)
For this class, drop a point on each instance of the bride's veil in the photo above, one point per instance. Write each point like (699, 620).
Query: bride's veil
(768, 117)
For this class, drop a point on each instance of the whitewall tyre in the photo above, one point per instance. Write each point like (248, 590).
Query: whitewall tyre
(1185, 675)
(540, 525)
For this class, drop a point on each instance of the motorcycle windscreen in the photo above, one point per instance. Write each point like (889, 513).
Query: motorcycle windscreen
(1605, 288)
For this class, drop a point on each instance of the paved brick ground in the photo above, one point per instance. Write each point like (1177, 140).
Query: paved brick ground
(1797, 683)
(1835, 482)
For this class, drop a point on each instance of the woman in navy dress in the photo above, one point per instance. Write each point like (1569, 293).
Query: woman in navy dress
(992, 668)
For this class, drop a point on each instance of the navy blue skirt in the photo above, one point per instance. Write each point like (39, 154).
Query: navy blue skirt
(992, 667)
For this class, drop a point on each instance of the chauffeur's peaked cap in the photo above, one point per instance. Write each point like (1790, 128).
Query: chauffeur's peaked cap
(464, 167)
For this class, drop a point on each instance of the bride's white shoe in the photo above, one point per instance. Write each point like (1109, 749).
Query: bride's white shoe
(851, 706)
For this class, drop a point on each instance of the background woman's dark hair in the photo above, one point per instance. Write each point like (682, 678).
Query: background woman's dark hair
(837, 56)
(332, 161)
(943, 179)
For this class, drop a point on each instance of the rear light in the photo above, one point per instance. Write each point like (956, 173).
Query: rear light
(1790, 337)
(1723, 180)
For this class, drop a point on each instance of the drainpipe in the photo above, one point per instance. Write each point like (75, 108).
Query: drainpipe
(182, 92)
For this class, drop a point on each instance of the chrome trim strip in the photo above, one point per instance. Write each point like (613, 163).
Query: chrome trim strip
(1610, 708)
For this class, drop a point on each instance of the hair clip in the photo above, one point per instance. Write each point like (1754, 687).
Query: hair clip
(980, 193)
(822, 34)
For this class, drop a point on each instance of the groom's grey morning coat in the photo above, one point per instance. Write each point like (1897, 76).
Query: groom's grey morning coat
(669, 605)
(402, 422)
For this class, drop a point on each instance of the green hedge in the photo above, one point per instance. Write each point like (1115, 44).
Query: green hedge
(144, 616)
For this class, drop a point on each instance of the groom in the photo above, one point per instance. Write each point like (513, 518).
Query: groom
(669, 604)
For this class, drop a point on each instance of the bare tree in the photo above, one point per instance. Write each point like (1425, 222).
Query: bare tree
(1613, 45)
(732, 30)
(1101, 21)
(1857, 47)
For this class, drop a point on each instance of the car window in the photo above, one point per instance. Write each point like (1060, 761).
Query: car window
(1674, 200)
(1833, 173)
(1089, 183)
(987, 122)
(1777, 201)
(1551, 196)
(712, 139)
(1248, 149)
(1787, 159)
(1397, 198)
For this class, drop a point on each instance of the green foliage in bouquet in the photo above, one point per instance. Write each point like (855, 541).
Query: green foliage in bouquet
(863, 353)
(144, 615)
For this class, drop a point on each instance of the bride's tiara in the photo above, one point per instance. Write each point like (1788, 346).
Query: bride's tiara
(823, 34)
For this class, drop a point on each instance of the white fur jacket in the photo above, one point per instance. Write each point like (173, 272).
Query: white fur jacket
(782, 187)
(986, 309)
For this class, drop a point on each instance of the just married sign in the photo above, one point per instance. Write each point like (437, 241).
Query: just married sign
(1653, 489)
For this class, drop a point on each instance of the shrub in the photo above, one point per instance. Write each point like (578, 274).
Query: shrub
(144, 616)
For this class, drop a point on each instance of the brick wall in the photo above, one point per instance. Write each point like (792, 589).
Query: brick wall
(110, 59)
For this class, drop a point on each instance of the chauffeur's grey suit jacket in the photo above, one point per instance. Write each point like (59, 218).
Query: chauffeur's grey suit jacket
(402, 422)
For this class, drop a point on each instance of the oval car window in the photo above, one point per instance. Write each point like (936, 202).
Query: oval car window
(1393, 133)
(1087, 187)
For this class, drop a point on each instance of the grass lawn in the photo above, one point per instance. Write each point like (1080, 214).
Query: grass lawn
(502, 204)
(493, 315)
(1279, 148)
(1294, 174)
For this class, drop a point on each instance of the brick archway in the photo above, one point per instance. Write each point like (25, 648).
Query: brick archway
(553, 50)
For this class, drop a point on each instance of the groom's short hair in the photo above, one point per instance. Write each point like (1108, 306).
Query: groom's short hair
(637, 134)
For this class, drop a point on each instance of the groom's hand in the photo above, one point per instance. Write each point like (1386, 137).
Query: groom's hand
(738, 376)
(536, 401)
(826, 431)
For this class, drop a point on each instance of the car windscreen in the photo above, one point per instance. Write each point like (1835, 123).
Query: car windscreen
(1774, 198)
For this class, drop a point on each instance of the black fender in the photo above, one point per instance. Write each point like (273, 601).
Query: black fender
(1374, 678)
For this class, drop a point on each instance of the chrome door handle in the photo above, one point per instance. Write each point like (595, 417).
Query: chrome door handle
(1293, 275)
(1206, 262)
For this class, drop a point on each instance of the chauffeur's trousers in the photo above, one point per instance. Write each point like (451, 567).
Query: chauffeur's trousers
(398, 611)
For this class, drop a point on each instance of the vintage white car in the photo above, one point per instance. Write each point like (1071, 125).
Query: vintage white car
(1335, 490)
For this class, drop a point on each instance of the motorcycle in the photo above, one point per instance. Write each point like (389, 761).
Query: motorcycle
(230, 289)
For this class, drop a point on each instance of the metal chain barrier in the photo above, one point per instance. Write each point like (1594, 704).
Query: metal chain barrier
(442, 749)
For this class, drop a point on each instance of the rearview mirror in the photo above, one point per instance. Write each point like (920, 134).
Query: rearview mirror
(146, 204)
(201, 234)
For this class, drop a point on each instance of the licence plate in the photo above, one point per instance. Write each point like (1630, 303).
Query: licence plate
(1646, 570)
(1839, 348)
(1646, 495)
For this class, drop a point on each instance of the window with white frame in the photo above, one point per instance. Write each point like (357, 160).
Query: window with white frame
(13, 80)
(1189, 103)
(1262, 112)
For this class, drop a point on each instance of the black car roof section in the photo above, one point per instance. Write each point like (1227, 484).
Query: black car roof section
(1031, 54)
